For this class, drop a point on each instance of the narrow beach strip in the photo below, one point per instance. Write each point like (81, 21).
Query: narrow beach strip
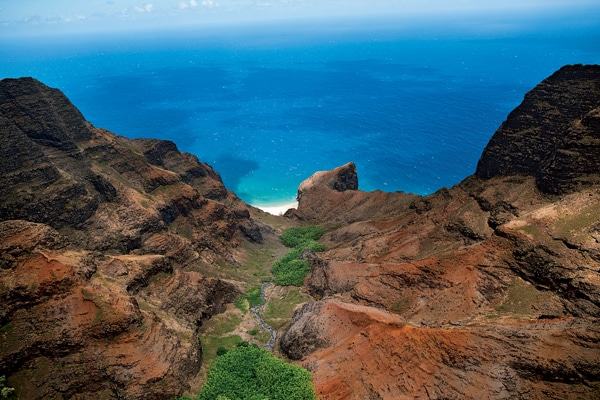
(277, 209)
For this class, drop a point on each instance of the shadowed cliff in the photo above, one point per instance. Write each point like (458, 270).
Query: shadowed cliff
(553, 135)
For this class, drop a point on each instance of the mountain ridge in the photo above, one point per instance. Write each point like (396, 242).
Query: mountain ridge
(90, 222)
(489, 288)
(116, 254)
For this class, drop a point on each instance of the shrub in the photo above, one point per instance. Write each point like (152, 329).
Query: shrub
(252, 297)
(314, 246)
(5, 391)
(221, 350)
(295, 237)
(290, 270)
(290, 273)
(251, 373)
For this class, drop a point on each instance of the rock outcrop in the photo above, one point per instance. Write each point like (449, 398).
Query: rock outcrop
(102, 243)
(553, 135)
(489, 289)
(333, 196)
(340, 179)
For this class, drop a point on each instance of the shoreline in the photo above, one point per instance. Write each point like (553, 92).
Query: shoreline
(276, 208)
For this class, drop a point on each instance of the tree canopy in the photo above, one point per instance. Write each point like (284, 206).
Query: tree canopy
(251, 373)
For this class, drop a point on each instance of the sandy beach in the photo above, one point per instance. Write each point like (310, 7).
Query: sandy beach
(277, 209)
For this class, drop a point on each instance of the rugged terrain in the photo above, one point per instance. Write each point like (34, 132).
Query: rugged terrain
(489, 289)
(119, 257)
(109, 249)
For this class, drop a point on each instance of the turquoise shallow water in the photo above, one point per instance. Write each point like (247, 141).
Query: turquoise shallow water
(269, 109)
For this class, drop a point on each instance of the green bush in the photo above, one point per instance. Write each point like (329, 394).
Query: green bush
(252, 297)
(251, 373)
(290, 270)
(314, 246)
(5, 391)
(221, 350)
(295, 237)
(291, 273)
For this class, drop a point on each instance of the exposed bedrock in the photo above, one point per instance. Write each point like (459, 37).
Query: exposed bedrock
(100, 236)
(552, 135)
(488, 289)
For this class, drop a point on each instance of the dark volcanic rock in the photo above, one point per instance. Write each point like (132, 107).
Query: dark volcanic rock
(191, 296)
(553, 135)
(164, 153)
(44, 114)
(45, 176)
(59, 170)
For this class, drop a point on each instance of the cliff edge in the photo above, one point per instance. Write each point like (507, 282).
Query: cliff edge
(488, 289)
(552, 135)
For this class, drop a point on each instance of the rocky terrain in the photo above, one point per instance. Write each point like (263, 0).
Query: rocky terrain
(119, 257)
(104, 244)
(489, 289)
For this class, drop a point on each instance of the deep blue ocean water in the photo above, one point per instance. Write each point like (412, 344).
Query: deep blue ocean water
(270, 108)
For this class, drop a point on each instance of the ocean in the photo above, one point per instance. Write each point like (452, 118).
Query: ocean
(269, 107)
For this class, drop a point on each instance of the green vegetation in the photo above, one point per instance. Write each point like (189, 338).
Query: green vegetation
(213, 346)
(253, 268)
(279, 310)
(128, 145)
(183, 228)
(274, 221)
(297, 237)
(219, 334)
(584, 218)
(221, 350)
(521, 297)
(290, 270)
(5, 391)
(251, 373)
(250, 299)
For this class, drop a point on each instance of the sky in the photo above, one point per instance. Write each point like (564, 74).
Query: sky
(43, 17)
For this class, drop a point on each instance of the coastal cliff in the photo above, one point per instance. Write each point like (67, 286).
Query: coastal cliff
(489, 289)
(552, 135)
(103, 241)
(115, 254)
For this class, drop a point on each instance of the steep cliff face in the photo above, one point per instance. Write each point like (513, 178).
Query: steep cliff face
(553, 135)
(99, 240)
(489, 289)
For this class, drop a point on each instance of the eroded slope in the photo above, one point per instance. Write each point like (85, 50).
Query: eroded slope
(490, 289)
(107, 248)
